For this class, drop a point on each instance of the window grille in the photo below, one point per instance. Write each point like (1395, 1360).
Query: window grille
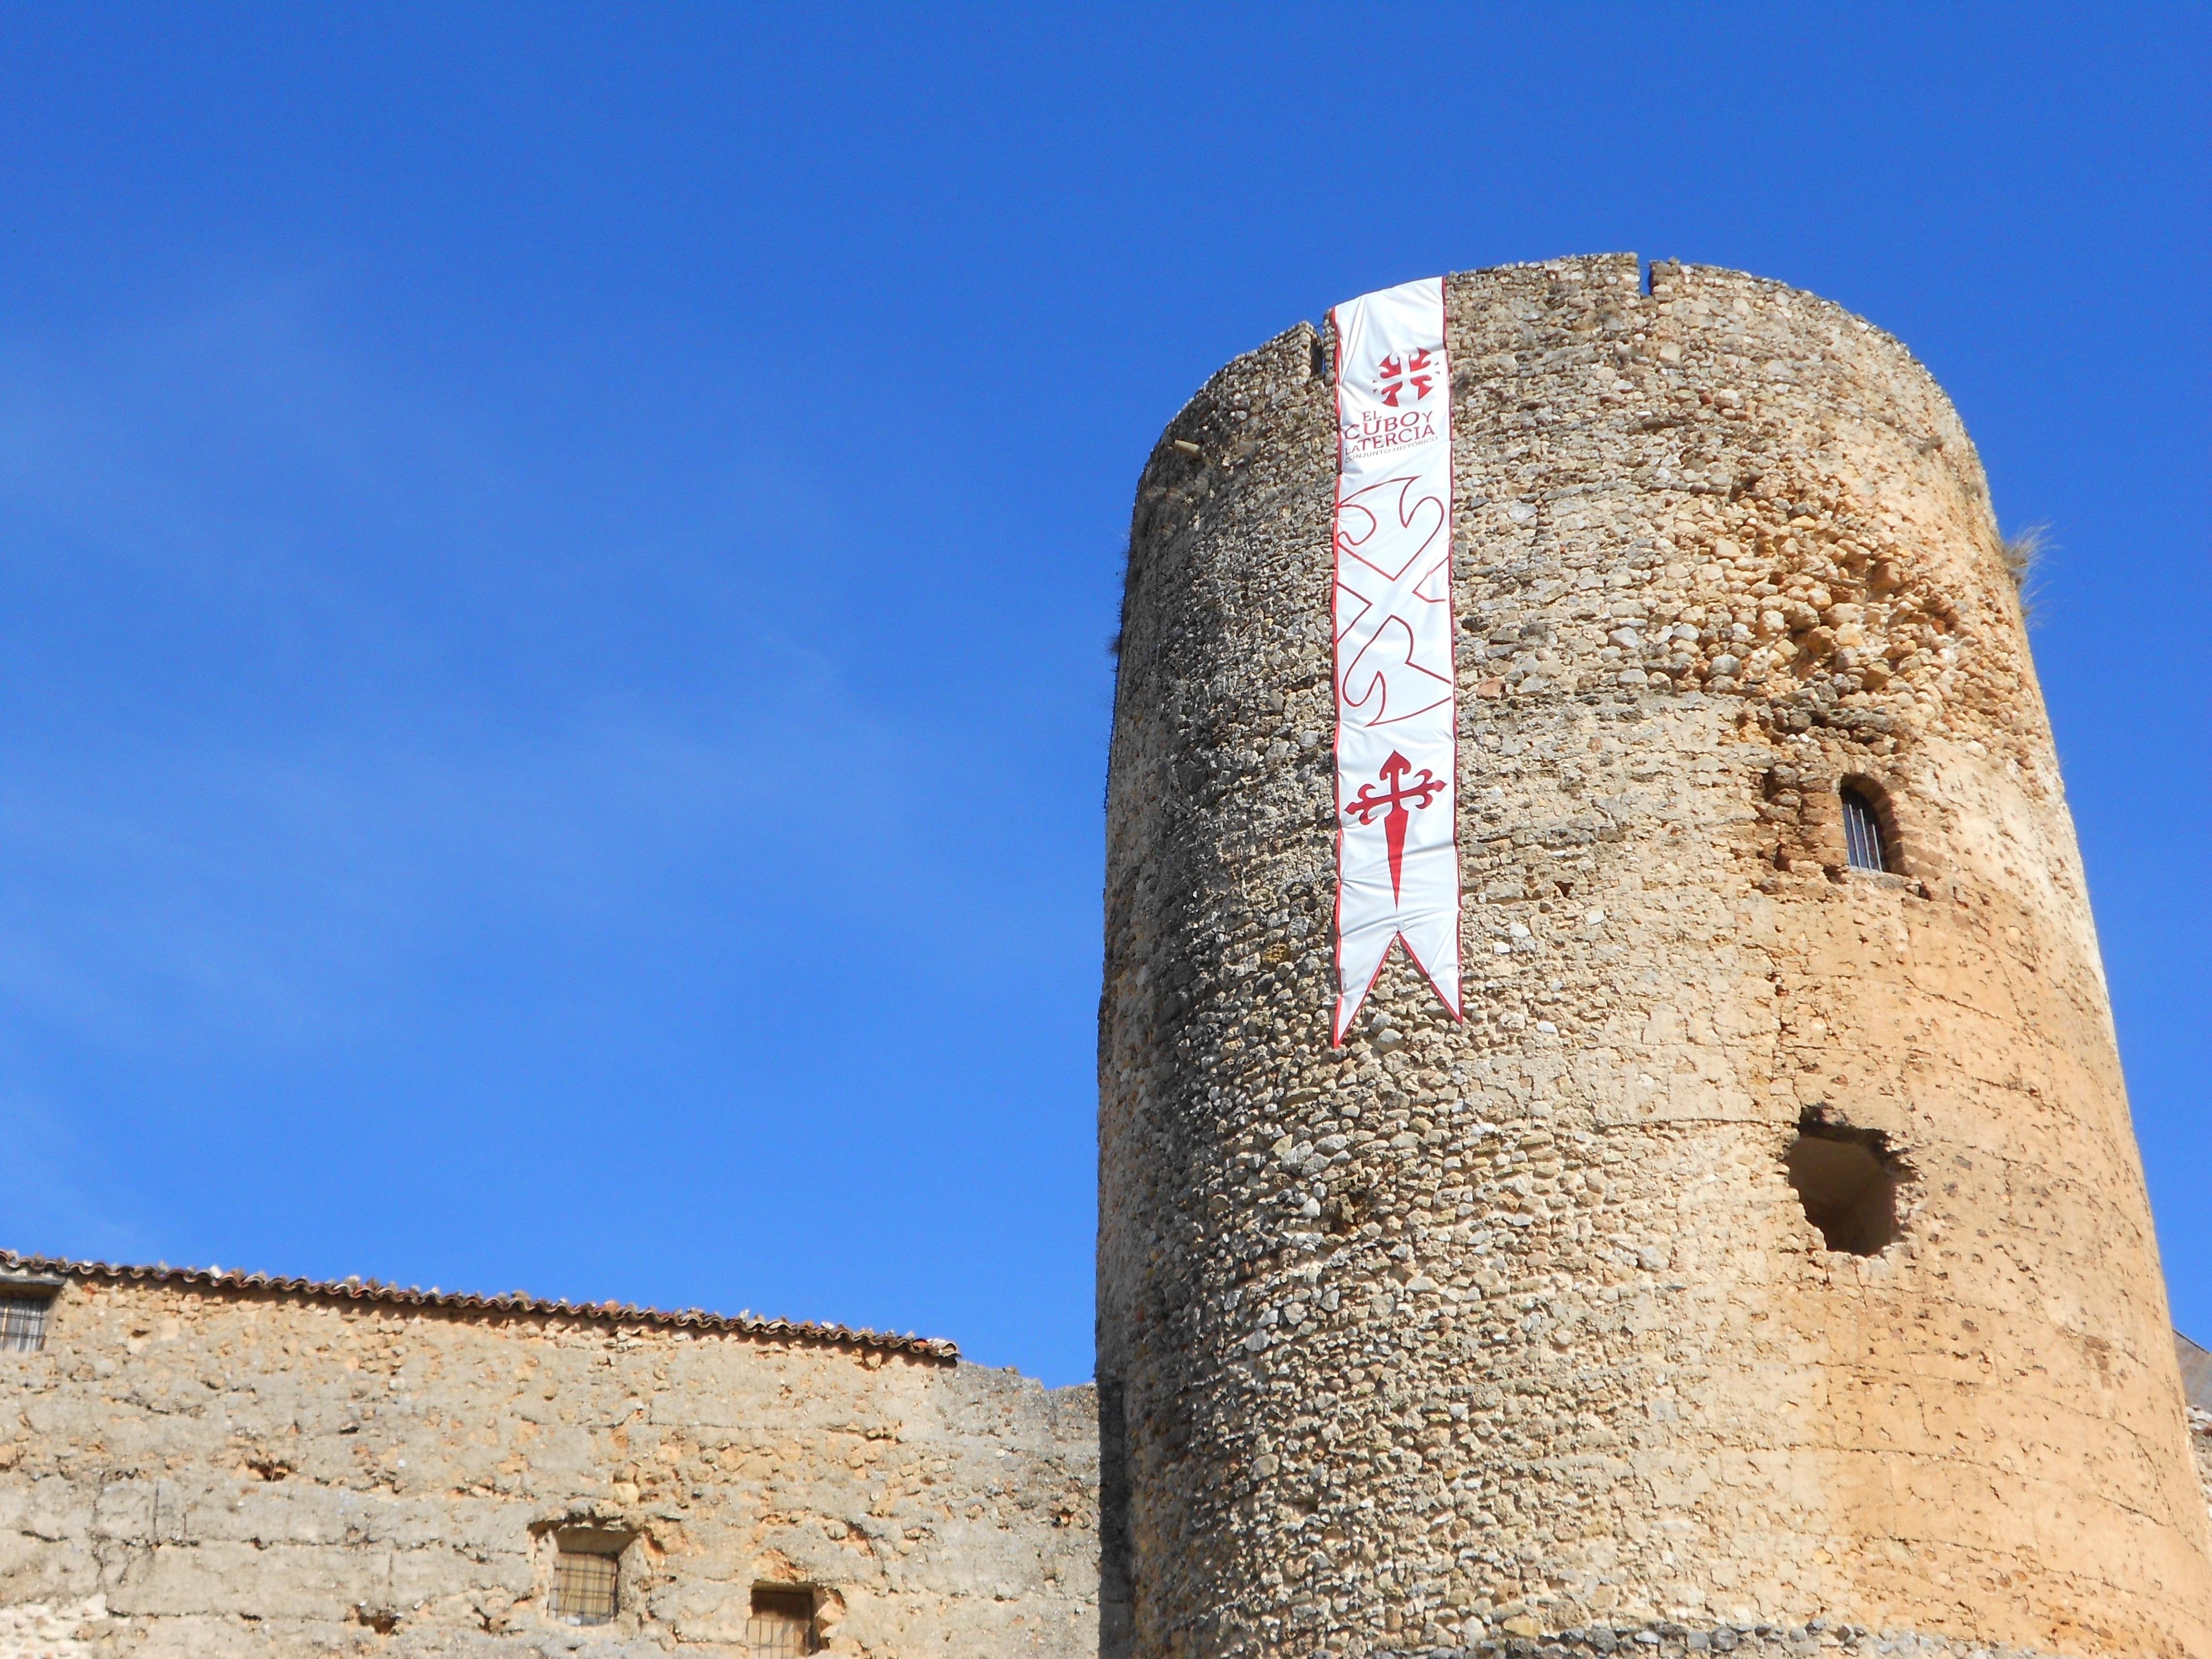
(584, 1586)
(23, 1323)
(1863, 844)
(782, 1624)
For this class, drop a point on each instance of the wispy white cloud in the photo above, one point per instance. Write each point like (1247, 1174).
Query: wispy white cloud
(62, 1185)
(198, 892)
(353, 683)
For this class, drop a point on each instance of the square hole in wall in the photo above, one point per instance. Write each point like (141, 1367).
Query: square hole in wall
(1847, 1180)
(587, 1576)
(782, 1623)
(23, 1319)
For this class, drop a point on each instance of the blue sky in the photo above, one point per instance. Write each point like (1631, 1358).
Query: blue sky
(555, 567)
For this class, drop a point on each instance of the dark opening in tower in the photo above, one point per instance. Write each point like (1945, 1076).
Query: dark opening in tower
(1867, 844)
(1847, 1180)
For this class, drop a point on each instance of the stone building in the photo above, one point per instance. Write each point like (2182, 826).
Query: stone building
(1768, 1249)
(2197, 1388)
(230, 1467)
(1762, 1266)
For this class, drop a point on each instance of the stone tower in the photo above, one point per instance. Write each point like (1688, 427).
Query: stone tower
(1769, 1245)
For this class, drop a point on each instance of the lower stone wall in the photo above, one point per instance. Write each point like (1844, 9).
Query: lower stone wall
(234, 1474)
(241, 1474)
(1670, 1641)
(2200, 1436)
(2196, 1387)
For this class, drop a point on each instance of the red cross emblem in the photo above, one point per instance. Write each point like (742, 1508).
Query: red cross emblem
(1393, 375)
(1421, 792)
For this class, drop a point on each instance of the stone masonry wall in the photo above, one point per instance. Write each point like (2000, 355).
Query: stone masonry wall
(2200, 1435)
(2197, 1389)
(238, 1474)
(1516, 1331)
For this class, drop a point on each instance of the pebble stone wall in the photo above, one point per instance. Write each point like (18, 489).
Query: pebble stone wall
(194, 1472)
(1513, 1336)
(2200, 1431)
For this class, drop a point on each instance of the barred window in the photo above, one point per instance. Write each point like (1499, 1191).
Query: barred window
(23, 1322)
(1863, 847)
(782, 1624)
(585, 1580)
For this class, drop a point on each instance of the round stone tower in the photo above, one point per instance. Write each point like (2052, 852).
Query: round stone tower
(1766, 1260)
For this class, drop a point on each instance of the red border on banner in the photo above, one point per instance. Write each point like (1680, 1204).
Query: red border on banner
(1336, 694)
(1456, 1006)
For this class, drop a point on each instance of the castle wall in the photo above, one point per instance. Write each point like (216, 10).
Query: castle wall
(2196, 1390)
(2200, 1435)
(219, 1473)
(1518, 1327)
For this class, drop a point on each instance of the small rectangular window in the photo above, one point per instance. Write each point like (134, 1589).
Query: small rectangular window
(586, 1583)
(1863, 846)
(782, 1624)
(23, 1322)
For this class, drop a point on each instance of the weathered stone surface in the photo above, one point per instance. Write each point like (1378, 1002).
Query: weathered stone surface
(2196, 1387)
(2200, 1435)
(1497, 1331)
(187, 1471)
(1507, 1339)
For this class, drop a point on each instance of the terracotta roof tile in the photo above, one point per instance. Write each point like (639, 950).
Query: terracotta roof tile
(515, 1302)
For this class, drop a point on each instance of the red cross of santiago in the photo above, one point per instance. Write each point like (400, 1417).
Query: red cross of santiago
(1421, 792)
(1392, 377)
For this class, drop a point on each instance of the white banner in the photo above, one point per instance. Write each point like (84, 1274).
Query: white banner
(1397, 859)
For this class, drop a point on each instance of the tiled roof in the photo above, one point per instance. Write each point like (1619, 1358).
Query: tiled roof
(514, 1302)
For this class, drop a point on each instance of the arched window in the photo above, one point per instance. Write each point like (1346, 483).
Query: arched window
(1864, 848)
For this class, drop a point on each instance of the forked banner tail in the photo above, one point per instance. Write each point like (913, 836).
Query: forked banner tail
(1397, 859)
